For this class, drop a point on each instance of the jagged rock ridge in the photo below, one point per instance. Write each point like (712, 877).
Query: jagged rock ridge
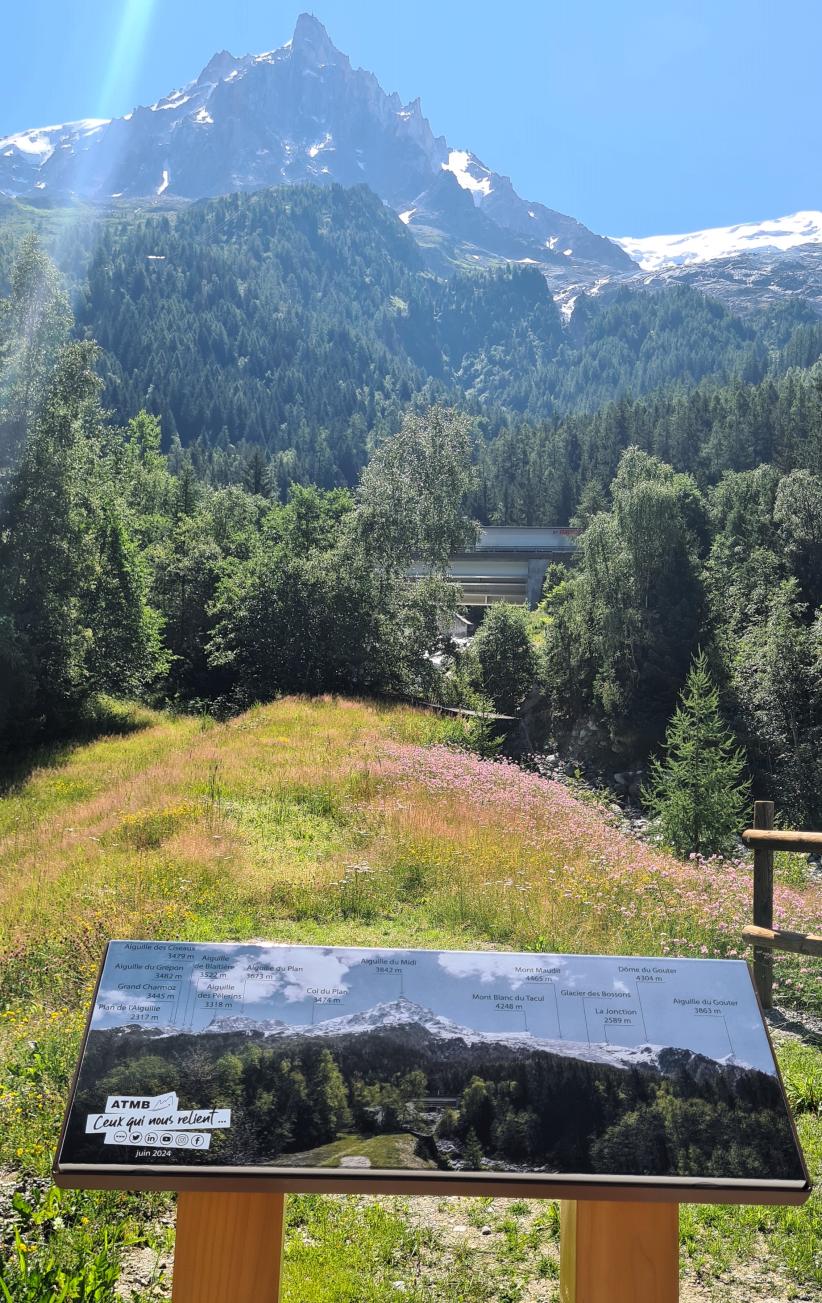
(404, 1014)
(299, 113)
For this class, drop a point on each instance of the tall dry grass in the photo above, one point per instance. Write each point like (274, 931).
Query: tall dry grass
(335, 818)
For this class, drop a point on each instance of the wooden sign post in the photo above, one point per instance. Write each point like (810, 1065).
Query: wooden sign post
(764, 938)
(763, 903)
(228, 1246)
(569, 1077)
(618, 1252)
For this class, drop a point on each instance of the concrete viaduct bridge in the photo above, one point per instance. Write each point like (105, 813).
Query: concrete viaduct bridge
(509, 563)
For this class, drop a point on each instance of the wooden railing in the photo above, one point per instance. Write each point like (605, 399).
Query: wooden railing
(762, 935)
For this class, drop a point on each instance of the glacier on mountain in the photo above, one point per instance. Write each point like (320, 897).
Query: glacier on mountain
(40, 141)
(654, 252)
(461, 163)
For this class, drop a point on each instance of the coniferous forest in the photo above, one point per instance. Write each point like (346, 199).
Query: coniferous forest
(227, 431)
(465, 1107)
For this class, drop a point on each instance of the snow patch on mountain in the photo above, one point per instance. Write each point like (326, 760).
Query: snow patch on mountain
(320, 145)
(403, 1012)
(471, 174)
(174, 101)
(654, 252)
(40, 141)
(31, 142)
(238, 1023)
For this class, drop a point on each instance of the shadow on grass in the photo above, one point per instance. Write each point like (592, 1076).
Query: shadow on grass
(106, 718)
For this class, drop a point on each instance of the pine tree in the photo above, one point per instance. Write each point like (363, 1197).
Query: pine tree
(124, 653)
(474, 1157)
(46, 555)
(35, 321)
(697, 793)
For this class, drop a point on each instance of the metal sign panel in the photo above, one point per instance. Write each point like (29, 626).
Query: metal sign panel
(308, 1067)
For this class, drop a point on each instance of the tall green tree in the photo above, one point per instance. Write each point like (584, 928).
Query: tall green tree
(125, 652)
(322, 622)
(47, 552)
(623, 626)
(73, 590)
(697, 792)
(777, 677)
(35, 321)
(503, 658)
(412, 495)
(798, 516)
(746, 560)
(322, 603)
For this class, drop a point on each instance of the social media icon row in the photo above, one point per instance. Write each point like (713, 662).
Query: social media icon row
(159, 1139)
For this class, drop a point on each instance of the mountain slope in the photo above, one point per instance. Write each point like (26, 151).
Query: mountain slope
(302, 320)
(424, 1028)
(283, 332)
(299, 113)
(751, 266)
(302, 113)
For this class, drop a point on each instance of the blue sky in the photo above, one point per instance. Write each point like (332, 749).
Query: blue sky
(637, 116)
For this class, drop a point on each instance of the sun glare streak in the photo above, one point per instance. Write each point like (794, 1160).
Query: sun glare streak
(122, 67)
(70, 230)
(126, 55)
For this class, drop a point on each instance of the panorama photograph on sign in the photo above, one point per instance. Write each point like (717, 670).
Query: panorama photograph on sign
(425, 1064)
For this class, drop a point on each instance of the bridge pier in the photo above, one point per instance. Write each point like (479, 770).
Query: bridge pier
(537, 570)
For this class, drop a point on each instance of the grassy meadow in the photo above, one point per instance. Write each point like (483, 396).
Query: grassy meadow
(332, 821)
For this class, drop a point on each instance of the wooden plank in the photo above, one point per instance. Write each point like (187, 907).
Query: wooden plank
(229, 1247)
(798, 943)
(462, 711)
(763, 902)
(568, 1250)
(783, 841)
(612, 1252)
(327, 1180)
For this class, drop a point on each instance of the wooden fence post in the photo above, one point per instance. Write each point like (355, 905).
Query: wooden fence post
(763, 903)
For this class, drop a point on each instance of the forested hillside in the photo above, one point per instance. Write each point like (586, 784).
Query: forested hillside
(541, 471)
(261, 356)
(295, 325)
(666, 570)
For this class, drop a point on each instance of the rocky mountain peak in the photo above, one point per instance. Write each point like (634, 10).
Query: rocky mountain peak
(218, 68)
(300, 114)
(311, 41)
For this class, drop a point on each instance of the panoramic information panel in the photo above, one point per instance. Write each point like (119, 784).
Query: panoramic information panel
(418, 1068)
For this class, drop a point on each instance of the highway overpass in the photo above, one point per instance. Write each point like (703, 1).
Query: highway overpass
(509, 563)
